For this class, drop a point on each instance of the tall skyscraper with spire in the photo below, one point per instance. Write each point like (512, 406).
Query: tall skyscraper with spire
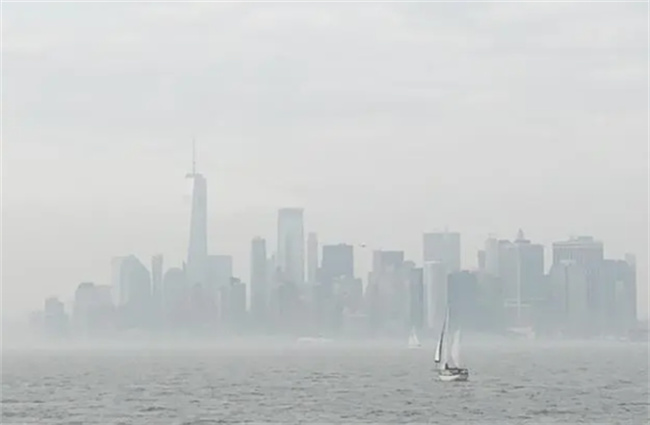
(197, 253)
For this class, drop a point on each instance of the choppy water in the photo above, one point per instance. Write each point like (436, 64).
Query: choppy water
(591, 384)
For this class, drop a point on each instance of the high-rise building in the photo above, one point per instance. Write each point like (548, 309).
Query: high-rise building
(175, 294)
(584, 250)
(569, 307)
(84, 308)
(387, 294)
(117, 293)
(416, 295)
(492, 256)
(443, 247)
(462, 296)
(135, 285)
(234, 303)
(386, 260)
(521, 272)
(219, 275)
(587, 253)
(157, 281)
(618, 300)
(259, 280)
(219, 271)
(480, 258)
(55, 320)
(350, 293)
(291, 245)
(197, 253)
(630, 259)
(338, 261)
(312, 258)
(434, 274)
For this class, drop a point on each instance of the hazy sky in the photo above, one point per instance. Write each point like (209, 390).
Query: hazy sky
(382, 120)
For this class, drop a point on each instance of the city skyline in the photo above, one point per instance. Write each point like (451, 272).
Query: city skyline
(505, 125)
(363, 254)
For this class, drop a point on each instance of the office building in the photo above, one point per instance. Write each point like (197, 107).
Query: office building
(521, 272)
(416, 296)
(337, 262)
(219, 271)
(157, 281)
(443, 247)
(259, 280)
(312, 258)
(117, 293)
(55, 320)
(175, 297)
(434, 275)
(386, 260)
(462, 294)
(135, 286)
(84, 309)
(588, 254)
(492, 256)
(234, 303)
(197, 253)
(291, 245)
(569, 313)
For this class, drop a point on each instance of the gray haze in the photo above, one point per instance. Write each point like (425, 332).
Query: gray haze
(382, 120)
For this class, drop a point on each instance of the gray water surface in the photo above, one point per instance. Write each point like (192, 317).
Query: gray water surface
(526, 384)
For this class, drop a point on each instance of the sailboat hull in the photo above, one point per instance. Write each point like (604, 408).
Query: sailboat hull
(453, 375)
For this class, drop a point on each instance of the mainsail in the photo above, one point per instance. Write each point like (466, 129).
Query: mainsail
(455, 350)
(439, 348)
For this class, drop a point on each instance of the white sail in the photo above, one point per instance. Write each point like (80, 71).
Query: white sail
(438, 358)
(455, 350)
(447, 356)
(413, 339)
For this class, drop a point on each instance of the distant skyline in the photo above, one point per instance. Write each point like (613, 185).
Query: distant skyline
(382, 121)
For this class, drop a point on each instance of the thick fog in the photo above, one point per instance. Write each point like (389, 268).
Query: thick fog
(382, 121)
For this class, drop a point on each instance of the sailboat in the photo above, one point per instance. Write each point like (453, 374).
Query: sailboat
(414, 342)
(448, 359)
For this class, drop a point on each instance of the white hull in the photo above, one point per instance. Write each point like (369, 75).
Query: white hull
(445, 376)
(412, 346)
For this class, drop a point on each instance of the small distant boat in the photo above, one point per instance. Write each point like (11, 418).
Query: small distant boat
(447, 359)
(414, 342)
(522, 332)
(306, 340)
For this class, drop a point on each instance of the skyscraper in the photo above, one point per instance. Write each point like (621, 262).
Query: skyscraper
(156, 281)
(338, 261)
(416, 296)
(291, 245)
(521, 270)
(84, 308)
(444, 247)
(492, 256)
(259, 280)
(312, 258)
(587, 253)
(135, 284)
(117, 293)
(198, 243)
(434, 274)
(569, 307)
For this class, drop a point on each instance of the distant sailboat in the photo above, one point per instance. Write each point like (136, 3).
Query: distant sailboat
(448, 359)
(414, 342)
